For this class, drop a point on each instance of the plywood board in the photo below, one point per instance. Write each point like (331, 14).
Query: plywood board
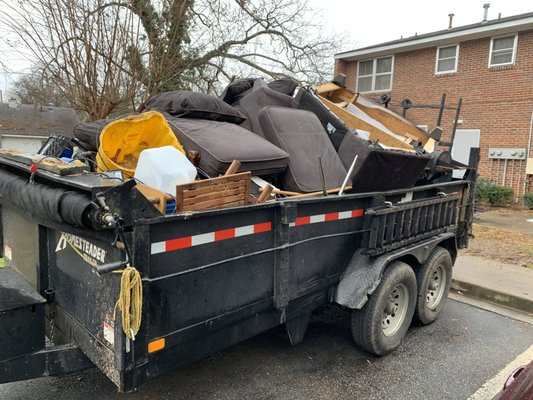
(354, 122)
(392, 121)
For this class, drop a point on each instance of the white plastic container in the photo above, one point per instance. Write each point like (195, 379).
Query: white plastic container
(163, 168)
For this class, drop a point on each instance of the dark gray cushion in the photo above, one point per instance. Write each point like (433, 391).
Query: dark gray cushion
(236, 90)
(285, 85)
(194, 105)
(261, 97)
(378, 169)
(300, 134)
(219, 143)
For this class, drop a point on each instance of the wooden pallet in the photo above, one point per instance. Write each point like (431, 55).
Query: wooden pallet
(224, 191)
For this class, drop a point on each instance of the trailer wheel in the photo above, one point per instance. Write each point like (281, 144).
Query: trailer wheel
(433, 278)
(382, 323)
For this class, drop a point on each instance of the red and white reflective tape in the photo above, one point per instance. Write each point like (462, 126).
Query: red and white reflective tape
(335, 216)
(231, 233)
(210, 237)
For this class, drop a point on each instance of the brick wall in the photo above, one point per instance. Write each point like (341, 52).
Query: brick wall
(497, 101)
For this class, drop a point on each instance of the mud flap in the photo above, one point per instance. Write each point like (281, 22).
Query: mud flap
(296, 327)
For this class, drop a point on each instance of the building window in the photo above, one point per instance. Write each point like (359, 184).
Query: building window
(502, 50)
(375, 75)
(447, 57)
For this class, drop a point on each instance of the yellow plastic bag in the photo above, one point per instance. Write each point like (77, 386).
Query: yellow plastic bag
(122, 141)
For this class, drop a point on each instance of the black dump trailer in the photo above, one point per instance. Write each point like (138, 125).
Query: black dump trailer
(211, 279)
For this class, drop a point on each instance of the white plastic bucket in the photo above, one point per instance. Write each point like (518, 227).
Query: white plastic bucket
(163, 168)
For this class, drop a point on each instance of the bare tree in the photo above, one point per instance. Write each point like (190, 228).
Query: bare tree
(38, 89)
(106, 54)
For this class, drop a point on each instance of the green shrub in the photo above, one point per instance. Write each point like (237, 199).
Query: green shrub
(494, 194)
(528, 200)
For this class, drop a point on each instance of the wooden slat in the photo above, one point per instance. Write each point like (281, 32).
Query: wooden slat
(394, 122)
(209, 189)
(232, 169)
(265, 194)
(212, 196)
(319, 193)
(354, 122)
(336, 93)
(326, 87)
(212, 181)
(217, 203)
(212, 193)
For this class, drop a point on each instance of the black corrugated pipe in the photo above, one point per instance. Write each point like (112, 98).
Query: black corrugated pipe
(56, 205)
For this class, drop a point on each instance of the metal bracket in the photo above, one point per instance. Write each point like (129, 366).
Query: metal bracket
(286, 215)
(507, 153)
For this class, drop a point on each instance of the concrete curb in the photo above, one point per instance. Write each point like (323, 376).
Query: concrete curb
(494, 296)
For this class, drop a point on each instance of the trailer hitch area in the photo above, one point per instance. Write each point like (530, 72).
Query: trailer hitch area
(112, 220)
(104, 216)
(120, 243)
(110, 267)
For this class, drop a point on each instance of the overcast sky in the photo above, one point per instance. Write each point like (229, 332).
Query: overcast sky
(371, 22)
(367, 22)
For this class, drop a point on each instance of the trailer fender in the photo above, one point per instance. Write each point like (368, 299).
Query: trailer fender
(363, 273)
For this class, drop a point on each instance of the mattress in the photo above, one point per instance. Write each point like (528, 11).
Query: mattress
(219, 143)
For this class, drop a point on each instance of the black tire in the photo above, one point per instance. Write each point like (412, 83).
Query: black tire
(372, 325)
(437, 272)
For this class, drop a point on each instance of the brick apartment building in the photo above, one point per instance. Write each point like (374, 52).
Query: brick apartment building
(488, 64)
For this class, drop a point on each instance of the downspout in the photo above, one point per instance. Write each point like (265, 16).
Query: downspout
(528, 154)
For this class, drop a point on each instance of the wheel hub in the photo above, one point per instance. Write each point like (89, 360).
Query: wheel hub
(436, 287)
(395, 309)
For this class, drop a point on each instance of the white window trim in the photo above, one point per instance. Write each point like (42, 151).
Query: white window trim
(515, 46)
(374, 74)
(437, 72)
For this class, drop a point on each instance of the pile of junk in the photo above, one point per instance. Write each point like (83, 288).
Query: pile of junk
(258, 142)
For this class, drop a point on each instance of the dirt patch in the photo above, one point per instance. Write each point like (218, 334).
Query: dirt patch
(506, 219)
(501, 245)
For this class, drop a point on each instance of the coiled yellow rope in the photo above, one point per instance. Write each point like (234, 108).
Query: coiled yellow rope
(130, 301)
